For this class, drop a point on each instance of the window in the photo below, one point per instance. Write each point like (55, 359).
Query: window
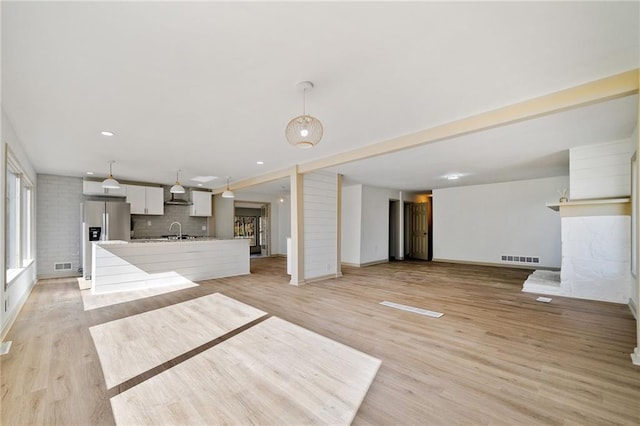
(19, 217)
(634, 215)
(27, 215)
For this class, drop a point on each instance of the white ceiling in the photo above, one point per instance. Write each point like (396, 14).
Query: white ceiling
(208, 87)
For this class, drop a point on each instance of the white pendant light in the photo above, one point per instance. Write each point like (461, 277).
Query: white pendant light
(304, 131)
(177, 188)
(110, 182)
(228, 193)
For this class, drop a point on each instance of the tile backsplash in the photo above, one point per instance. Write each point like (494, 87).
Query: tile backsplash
(150, 226)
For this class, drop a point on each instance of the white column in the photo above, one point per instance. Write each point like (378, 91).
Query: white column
(297, 228)
(400, 254)
(635, 356)
(339, 227)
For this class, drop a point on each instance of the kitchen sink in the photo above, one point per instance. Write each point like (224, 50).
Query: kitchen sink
(176, 237)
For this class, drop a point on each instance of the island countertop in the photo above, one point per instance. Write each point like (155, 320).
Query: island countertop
(138, 264)
(174, 239)
(171, 239)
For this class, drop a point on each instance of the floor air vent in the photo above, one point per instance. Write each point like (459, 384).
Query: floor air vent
(65, 266)
(520, 259)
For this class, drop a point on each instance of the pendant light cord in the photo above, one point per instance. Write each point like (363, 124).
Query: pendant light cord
(304, 96)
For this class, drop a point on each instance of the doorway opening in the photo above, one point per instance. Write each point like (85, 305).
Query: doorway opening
(418, 229)
(252, 222)
(394, 230)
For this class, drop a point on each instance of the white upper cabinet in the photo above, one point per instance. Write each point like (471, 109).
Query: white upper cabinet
(155, 200)
(91, 187)
(201, 203)
(136, 197)
(145, 199)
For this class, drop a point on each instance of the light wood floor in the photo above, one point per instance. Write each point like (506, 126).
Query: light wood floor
(496, 356)
(274, 373)
(130, 346)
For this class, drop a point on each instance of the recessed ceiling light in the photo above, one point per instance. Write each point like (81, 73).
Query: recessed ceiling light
(204, 179)
(200, 184)
(89, 173)
(106, 133)
(453, 176)
(260, 163)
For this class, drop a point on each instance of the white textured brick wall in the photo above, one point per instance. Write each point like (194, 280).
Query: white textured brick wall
(58, 201)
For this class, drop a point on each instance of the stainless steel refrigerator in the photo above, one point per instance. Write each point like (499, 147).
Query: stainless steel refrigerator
(103, 221)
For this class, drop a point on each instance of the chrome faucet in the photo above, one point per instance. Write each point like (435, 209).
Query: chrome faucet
(179, 229)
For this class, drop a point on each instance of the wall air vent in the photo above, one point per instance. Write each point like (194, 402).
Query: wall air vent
(63, 266)
(520, 259)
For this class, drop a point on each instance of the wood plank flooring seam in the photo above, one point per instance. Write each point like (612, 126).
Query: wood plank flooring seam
(273, 373)
(122, 387)
(129, 346)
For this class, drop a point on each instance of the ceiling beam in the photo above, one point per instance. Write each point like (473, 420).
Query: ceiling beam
(615, 86)
(257, 180)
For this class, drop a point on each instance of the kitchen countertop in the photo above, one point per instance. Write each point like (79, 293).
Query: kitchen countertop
(138, 264)
(172, 240)
(168, 240)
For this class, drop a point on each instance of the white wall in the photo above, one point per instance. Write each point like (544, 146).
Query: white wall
(16, 294)
(284, 225)
(600, 171)
(375, 225)
(633, 148)
(3, 174)
(365, 223)
(351, 215)
(320, 204)
(482, 222)
(223, 216)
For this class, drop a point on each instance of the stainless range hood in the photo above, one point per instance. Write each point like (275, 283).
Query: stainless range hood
(177, 201)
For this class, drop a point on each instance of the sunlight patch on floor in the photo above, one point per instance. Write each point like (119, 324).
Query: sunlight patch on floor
(95, 301)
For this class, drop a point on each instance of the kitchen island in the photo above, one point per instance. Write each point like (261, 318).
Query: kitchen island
(135, 265)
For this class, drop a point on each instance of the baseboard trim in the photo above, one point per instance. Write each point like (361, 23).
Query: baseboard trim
(501, 265)
(322, 278)
(50, 276)
(361, 265)
(16, 311)
(635, 356)
(633, 308)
